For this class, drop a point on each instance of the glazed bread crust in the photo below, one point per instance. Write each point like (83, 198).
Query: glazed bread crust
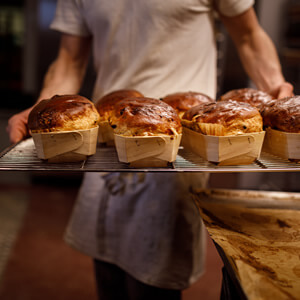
(105, 104)
(252, 96)
(183, 101)
(144, 117)
(223, 118)
(283, 114)
(63, 113)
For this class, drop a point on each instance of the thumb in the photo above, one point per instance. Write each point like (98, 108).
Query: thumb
(17, 133)
(285, 90)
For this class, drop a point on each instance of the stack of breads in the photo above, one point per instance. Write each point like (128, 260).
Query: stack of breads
(128, 113)
(281, 120)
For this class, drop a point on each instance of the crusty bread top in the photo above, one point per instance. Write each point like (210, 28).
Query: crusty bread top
(252, 96)
(283, 114)
(63, 113)
(106, 103)
(183, 101)
(230, 117)
(144, 117)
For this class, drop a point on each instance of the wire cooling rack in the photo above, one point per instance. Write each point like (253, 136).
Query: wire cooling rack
(23, 157)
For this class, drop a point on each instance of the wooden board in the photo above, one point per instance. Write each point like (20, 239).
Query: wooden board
(66, 146)
(147, 150)
(283, 144)
(224, 150)
(260, 234)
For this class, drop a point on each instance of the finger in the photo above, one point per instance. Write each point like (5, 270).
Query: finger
(285, 90)
(17, 134)
(16, 129)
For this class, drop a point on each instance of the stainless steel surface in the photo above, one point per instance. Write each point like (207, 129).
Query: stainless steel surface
(22, 157)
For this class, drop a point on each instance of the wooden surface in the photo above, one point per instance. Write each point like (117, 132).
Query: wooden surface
(224, 150)
(132, 149)
(66, 146)
(106, 134)
(282, 144)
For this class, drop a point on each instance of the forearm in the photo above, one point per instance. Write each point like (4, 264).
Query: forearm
(61, 79)
(65, 75)
(260, 60)
(256, 50)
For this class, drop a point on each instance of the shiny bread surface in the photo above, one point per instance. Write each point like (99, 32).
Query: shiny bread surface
(142, 116)
(223, 118)
(63, 113)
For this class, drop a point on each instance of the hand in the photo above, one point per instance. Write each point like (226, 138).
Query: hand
(17, 126)
(284, 90)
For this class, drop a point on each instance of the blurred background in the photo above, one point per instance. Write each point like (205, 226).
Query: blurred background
(34, 207)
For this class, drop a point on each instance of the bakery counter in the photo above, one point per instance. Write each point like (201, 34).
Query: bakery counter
(23, 157)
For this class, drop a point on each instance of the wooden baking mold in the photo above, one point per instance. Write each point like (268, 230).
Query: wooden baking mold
(283, 144)
(147, 151)
(66, 146)
(106, 134)
(224, 150)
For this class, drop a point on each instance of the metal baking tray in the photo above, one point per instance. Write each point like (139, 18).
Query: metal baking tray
(22, 157)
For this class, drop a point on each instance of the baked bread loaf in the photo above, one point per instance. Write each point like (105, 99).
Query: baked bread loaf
(63, 113)
(144, 117)
(252, 96)
(105, 104)
(283, 115)
(183, 101)
(223, 118)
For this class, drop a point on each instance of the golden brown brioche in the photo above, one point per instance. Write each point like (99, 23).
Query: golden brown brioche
(105, 104)
(223, 118)
(63, 113)
(252, 96)
(144, 117)
(183, 101)
(283, 114)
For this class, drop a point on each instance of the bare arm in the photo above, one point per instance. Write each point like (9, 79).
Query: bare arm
(64, 76)
(257, 53)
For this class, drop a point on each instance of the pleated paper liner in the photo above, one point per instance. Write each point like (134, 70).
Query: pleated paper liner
(66, 146)
(147, 151)
(283, 144)
(240, 149)
(106, 134)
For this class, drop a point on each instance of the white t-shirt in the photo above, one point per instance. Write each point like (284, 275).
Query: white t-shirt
(145, 223)
(155, 46)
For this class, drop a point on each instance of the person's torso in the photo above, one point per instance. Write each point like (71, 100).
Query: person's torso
(157, 47)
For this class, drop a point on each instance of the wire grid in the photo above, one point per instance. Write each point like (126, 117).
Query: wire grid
(23, 157)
